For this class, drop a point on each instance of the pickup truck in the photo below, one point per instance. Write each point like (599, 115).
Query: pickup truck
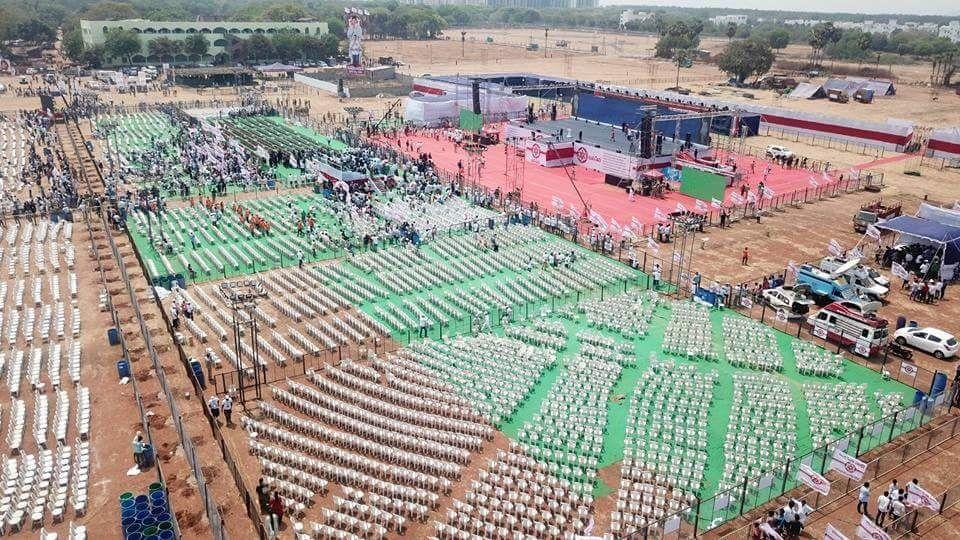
(874, 212)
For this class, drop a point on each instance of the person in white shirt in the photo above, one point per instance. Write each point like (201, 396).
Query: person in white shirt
(897, 509)
(227, 405)
(883, 507)
(863, 499)
(214, 404)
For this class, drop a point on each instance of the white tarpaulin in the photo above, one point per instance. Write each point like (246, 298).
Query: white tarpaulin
(943, 216)
(605, 161)
(429, 109)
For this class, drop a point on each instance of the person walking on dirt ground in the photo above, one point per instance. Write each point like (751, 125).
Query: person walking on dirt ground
(227, 405)
(214, 404)
(745, 258)
(883, 507)
(863, 499)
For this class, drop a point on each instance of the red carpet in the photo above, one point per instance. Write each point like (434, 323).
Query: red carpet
(542, 183)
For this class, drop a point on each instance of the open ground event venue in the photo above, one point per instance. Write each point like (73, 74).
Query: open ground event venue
(421, 292)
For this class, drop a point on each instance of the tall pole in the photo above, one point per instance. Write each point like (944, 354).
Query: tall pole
(546, 31)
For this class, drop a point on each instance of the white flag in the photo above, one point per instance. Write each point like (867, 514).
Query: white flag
(652, 244)
(831, 533)
(813, 182)
(834, 247)
(635, 223)
(614, 226)
(751, 197)
(597, 218)
(868, 530)
(557, 202)
(736, 198)
(768, 193)
(873, 232)
(681, 208)
(921, 497)
(677, 256)
(716, 203)
(813, 479)
(700, 206)
(769, 531)
(898, 270)
(658, 214)
(792, 266)
(847, 465)
(854, 253)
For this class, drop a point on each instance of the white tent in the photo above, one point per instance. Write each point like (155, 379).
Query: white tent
(429, 109)
(807, 91)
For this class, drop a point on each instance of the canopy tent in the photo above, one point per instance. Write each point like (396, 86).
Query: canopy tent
(808, 91)
(277, 67)
(943, 216)
(925, 231)
(845, 86)
(880, 87)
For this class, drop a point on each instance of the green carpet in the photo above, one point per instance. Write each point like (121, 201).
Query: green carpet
(274, 249)
(623, 390)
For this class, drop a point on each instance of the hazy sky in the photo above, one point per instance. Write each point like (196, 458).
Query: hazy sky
(927, 7)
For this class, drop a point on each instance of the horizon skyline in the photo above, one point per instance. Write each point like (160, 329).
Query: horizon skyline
(939, 8)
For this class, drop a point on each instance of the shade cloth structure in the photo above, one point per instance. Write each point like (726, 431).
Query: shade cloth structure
(807, 91)
(846, 86)
(914, 229)
(944, 216)
(277, 67)
(880, 87)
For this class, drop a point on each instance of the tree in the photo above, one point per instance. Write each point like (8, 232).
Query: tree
(314, 48)
(678, 35)
(822, 35)
(284, 13)
(288, 45)
(92, 57)
(121, 44)
(73, 44)
(742, 59)
(110, 11)
(778, 39)
(35, 31)
(731, 30)
(336, 27)
(378, 22)
(196, 45)
(259, 47)
(164, 48)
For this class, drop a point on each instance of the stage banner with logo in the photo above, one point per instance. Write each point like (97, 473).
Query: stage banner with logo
(918, 496)
(553, 155)
(605, 161)
(831, 533)
(868, 530)
(847, 465)
(813, 480)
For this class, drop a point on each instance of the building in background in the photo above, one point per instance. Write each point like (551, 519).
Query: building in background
(724, 20)
(630, 15)
(950, 31)
(217, 33)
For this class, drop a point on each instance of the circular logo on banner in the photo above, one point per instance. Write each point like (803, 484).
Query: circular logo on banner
(535, 151)
(850, 467)
(582, 155)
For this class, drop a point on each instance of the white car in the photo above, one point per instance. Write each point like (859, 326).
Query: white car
(776, 151)
(930, 340)
(796, 302)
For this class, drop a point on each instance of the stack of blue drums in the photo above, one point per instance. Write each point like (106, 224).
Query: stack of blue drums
(146, 516)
